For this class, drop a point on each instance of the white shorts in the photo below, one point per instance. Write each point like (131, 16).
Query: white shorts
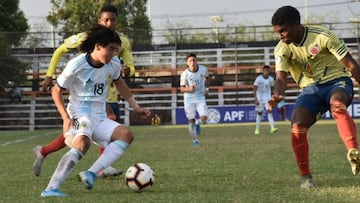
(99, 131)
(260, 108)
(192, 108)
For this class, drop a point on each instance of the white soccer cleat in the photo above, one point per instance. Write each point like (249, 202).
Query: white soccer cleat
(353, 157)
(109, 172)
(39, 158)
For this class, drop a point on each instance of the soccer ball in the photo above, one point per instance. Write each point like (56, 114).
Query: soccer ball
(139, 177)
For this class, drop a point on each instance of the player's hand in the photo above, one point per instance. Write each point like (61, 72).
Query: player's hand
(125, 71)
(143, 112)
(47, 84)
(275, 99)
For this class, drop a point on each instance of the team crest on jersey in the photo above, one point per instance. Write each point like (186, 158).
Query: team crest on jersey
(314, 50)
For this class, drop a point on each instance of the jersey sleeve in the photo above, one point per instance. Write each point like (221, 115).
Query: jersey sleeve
(66, 77)
(337, 47)
(282, 57)
(126, 54)
(72, 42)
(183, 79)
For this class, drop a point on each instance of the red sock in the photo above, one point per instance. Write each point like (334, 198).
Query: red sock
(346, 128)
(55, 145)
(101, 149)
(301, 148)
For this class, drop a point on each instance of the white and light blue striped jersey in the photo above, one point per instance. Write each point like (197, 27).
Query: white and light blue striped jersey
(198, 78)
(264, 85)
(87, 85)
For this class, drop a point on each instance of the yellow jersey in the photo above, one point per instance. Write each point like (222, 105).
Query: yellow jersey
(315, 60)
(112, 94)
(74, 41)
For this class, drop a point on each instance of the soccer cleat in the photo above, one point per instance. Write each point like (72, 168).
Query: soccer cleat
(88, 178)
(109, 172)
(353, 156)
(273, 130)
(307, 182)
(197, 127)
(39, 158)
(53, 193)
(257, 131)
(196, 143)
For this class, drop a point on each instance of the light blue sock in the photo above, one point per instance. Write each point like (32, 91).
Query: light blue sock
(64, 168)
(111, 153)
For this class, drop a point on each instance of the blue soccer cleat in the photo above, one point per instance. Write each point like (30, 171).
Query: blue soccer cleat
(88, 178)
(196, 143)
(53, 193)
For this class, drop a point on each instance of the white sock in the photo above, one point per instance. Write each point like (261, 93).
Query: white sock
(258, 121)
(192, 131)
(111, 153)
(271, 120)
(64, 168)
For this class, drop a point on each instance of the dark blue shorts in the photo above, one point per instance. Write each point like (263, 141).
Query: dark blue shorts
(316, 98)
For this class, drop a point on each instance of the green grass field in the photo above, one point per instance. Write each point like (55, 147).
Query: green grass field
(231, 165)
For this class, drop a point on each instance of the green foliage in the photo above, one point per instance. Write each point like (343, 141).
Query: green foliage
(74, 16)
(13, 29)
(138, 22)
(231, 165)
(13, 70)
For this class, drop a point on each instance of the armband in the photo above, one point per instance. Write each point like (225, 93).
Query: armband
(132, 102)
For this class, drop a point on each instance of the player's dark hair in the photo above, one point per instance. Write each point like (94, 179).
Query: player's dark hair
(266, 67)
(109, 8)
(190, 55)
(101, 35)
(286, 15)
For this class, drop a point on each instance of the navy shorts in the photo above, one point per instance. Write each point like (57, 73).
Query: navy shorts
(316, 98)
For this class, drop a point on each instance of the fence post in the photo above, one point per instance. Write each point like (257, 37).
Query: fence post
(173, 105)
(267, 56)
(32, 111)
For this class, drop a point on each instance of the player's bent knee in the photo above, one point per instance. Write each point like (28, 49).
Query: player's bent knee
(122, 133)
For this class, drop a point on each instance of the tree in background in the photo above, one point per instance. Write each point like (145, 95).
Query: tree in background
(13, 29)
(73, 16)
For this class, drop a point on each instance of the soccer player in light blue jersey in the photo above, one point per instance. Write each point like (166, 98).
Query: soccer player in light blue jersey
(263, 86)
(86, 77)
(321, 64)
(194, 84)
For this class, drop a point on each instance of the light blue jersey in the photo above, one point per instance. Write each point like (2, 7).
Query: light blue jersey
(198, 78)
(88, 85)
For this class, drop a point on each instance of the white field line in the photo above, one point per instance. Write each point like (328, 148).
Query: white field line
(22, 140)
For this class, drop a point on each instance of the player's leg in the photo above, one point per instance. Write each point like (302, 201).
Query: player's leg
(41, 152)
(190, 112)
(201, 108)
(117, 139)
(306, 107)
(109, 171)
(273, 129)
(259, 109)
(80, 145)
(339, 100)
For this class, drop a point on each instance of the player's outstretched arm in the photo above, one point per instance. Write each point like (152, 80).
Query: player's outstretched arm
(54, 61)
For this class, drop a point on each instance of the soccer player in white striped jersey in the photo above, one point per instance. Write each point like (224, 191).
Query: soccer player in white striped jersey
(194, 84)
(86, 77)
(263, 86)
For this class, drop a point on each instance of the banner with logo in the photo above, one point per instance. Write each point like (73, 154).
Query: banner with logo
(247, 113)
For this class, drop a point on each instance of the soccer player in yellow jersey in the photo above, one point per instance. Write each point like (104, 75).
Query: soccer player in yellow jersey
(107, 18)
(320, 63)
